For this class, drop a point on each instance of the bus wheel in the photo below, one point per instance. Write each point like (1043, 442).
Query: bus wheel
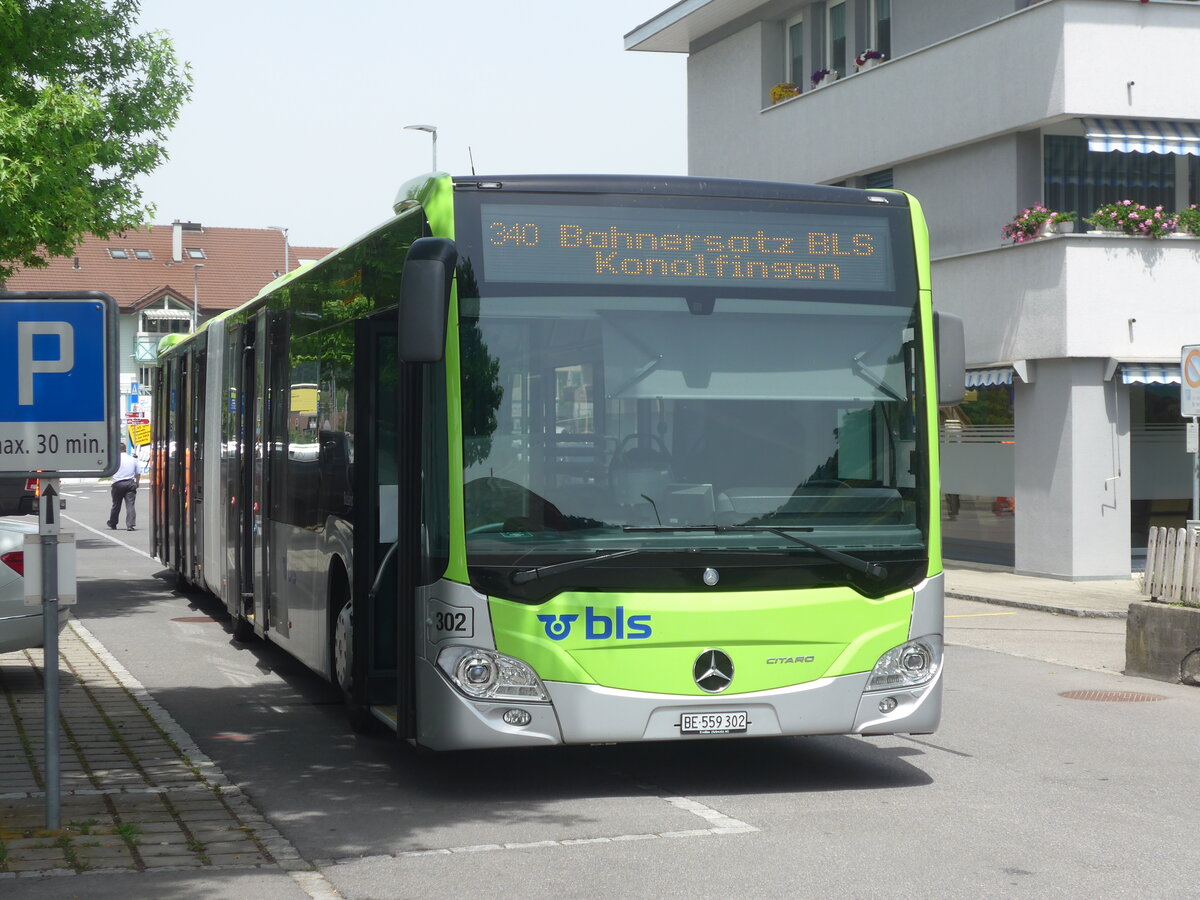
(343, 649)
(360, 718)
(243, 629)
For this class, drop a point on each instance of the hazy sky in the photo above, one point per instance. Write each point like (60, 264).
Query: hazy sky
(299, 107)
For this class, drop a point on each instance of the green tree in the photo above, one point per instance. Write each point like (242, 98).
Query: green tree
(85, 107)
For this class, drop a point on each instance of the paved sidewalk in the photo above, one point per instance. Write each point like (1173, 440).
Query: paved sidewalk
(997, 584)
(137, 794)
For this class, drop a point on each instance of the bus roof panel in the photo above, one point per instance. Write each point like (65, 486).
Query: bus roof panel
(678, 186)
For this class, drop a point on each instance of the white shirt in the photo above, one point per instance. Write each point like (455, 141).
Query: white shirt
(127, 469)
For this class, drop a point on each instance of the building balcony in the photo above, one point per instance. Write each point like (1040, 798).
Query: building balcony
(1074, 295)
(145, 347)
(1053, 61)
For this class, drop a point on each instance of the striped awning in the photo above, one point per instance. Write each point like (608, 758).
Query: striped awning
(161, 313)
(989, 377)
(1149, 373)
(1142, 136)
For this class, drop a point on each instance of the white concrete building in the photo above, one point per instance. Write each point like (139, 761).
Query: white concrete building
(1074, 445)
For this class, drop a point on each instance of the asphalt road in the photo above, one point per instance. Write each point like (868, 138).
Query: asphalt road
(1022, 790)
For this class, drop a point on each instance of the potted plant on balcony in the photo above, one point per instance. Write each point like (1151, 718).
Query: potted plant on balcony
(867, 59)
(1034, 222)
(1128, 217)
(784, 91)
(1187, 221)
(823, 76)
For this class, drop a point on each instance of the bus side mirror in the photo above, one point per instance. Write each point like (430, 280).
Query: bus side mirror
(425, 300)
(951, 345)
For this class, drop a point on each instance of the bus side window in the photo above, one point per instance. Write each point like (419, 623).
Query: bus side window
(336, 477)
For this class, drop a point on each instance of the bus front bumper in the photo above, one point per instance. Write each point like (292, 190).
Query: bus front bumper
(590, 714)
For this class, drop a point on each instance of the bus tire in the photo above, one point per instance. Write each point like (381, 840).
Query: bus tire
(342, 651)
(342, 664)
(243, 629)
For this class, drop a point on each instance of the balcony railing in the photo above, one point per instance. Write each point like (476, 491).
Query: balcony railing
(1074, 295)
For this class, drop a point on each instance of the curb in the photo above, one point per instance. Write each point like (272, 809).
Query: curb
(212, 781)
(1043, 607)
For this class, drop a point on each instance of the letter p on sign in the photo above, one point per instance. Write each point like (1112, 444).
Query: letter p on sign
(27, 366)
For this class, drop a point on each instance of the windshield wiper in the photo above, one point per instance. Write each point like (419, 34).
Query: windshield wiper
(873, 570)
(871, 378)
(538, 572)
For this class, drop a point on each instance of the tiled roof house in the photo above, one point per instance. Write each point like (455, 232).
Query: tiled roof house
(157, 275)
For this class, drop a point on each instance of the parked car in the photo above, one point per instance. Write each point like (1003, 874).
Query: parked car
(18, 496)
(20, 625)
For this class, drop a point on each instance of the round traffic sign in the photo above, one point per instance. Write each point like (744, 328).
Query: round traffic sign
(1191, 368)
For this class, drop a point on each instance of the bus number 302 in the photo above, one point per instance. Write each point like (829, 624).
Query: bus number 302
(455, 622)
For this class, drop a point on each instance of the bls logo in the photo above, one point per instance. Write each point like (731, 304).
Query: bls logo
(598, 627)
(558, 627)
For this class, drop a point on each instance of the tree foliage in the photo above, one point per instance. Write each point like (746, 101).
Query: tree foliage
(85, 107)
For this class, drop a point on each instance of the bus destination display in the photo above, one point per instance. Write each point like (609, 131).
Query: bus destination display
(611, 246)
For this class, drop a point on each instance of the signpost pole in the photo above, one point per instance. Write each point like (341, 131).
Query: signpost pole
(58, 416)
(48, 529)
(1196, 471)
(1189, 405)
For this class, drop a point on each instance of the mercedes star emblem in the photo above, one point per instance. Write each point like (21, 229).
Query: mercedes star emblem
(713, 671)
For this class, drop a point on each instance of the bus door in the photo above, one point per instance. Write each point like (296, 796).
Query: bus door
(387, 643)
(231, 465)
(247, 466)
(193, 516)
(158, 454)
(176, 454)
(275, 504)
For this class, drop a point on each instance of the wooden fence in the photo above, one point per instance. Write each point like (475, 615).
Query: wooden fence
(1173, 566)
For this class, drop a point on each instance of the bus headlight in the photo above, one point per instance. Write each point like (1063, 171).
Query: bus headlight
(912, 663)
(488, 675)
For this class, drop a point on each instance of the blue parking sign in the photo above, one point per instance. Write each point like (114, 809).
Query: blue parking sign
(58, 371)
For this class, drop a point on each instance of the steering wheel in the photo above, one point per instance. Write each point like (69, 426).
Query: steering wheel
(654, 439)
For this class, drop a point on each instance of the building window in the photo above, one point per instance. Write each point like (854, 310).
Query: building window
(195, 253)
(878, 181)
(143, 254)
(166, 321)
(1080, 179)
(978, 457)
(1193, 179)
(881, 20)
(117, 254)
(837, 38)
(796, 73)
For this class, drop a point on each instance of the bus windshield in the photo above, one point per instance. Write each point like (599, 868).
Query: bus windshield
(690, 426)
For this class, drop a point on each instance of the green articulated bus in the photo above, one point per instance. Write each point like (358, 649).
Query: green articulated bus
(582, 459)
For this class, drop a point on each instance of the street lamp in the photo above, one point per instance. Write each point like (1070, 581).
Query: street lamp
(431, 129)
(284, 232)
(196, 295)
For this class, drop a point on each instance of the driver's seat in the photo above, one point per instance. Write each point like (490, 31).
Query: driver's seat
(639, 469)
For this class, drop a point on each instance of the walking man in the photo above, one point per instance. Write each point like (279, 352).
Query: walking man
(124, 489)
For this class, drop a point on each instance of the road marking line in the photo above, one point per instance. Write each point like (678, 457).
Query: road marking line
(110, 537)
(527, 845)
(718, 819)
(721, 825)
(979, 615)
